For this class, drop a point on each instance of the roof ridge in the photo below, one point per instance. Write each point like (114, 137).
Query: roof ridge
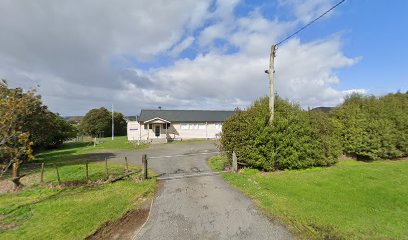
(186, 110)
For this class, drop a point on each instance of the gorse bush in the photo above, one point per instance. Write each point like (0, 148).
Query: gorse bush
(296, 139)
(374, 128)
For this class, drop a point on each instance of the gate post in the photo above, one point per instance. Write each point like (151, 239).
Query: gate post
(234, 162)
(144, 163)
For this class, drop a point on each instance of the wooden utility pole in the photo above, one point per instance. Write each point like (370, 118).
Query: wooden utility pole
(113, 125)
(271, 74)
(144, 163)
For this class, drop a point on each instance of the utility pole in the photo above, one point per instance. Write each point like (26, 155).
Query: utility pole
(271, 74)
(113, 125)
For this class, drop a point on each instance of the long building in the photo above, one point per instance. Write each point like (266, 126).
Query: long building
(162, 125)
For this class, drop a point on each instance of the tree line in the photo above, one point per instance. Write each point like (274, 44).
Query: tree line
(363, 127)
(27, 125)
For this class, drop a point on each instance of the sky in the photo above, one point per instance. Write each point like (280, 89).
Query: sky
(200, 54)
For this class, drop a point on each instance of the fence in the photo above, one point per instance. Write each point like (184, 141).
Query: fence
(79, 171)
(73, 172)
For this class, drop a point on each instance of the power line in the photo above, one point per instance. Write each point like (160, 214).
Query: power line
(310, 23)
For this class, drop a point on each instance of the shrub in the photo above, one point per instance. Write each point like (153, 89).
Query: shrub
(296, 139)
(374, 128)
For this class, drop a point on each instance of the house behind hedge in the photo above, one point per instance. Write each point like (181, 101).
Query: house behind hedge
(155, 126)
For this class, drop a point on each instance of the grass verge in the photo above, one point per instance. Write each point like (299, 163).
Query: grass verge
(69, 213)
(76, 149)
(74, 209)
(352, 200)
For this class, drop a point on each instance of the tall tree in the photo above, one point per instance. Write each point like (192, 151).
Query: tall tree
(97, 121)
(15, 144)
(120, 124)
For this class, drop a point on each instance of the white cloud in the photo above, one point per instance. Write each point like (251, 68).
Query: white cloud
(83, 54)
(307, 10)
(177, 49)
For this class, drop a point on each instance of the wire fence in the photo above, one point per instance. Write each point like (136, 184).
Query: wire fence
(69, 172)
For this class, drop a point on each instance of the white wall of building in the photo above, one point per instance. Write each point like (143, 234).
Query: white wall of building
(177, 130)
(133, 130)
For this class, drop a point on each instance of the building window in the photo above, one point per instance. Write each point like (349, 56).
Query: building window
(192, 126)
(168, 125)
(218, 126)
(150, 126)
(145, 126)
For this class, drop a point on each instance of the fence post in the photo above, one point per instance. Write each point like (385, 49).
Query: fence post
(58, 176)
(144, 162)
(42, 173)
(86, 169)
(234, 162)
(106, 167)
(127, 165)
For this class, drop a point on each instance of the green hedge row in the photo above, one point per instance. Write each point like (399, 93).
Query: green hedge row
(374, 128)
(296, 139)
(364, 127)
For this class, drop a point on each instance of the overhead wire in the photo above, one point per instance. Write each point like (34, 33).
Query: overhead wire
(310, 23)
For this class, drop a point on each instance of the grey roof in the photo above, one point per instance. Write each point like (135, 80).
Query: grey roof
(185, 115)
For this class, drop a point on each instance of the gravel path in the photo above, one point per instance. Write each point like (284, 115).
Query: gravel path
(202, 207)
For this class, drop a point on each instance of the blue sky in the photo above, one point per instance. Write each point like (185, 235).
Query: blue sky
(200, 54)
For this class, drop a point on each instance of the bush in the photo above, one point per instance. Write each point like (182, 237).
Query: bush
(374, 128)
(296, 139)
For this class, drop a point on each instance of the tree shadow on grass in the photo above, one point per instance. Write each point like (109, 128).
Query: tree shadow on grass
(75, 159)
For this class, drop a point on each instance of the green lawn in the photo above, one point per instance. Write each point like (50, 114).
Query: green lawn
(52, 211)
(76, 149)
(352, 200)
(69, 213)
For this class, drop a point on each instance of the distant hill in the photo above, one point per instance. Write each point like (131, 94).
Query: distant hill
(76, 119)
(323, 109)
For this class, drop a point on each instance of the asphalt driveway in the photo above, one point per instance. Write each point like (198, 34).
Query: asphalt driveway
(202, 207)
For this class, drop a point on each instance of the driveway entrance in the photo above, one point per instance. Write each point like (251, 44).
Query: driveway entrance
(203, 207)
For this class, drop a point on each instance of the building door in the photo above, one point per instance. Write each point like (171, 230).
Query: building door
(157, 130)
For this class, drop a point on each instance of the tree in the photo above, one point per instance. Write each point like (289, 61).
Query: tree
(63, 131)
(15, 144)
(99, 121)
(120, 124)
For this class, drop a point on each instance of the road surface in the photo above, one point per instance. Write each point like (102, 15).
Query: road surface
(202, 207)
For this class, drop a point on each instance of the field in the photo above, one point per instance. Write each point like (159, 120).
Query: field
(79, 149)
(78, 206)
(352, 200)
